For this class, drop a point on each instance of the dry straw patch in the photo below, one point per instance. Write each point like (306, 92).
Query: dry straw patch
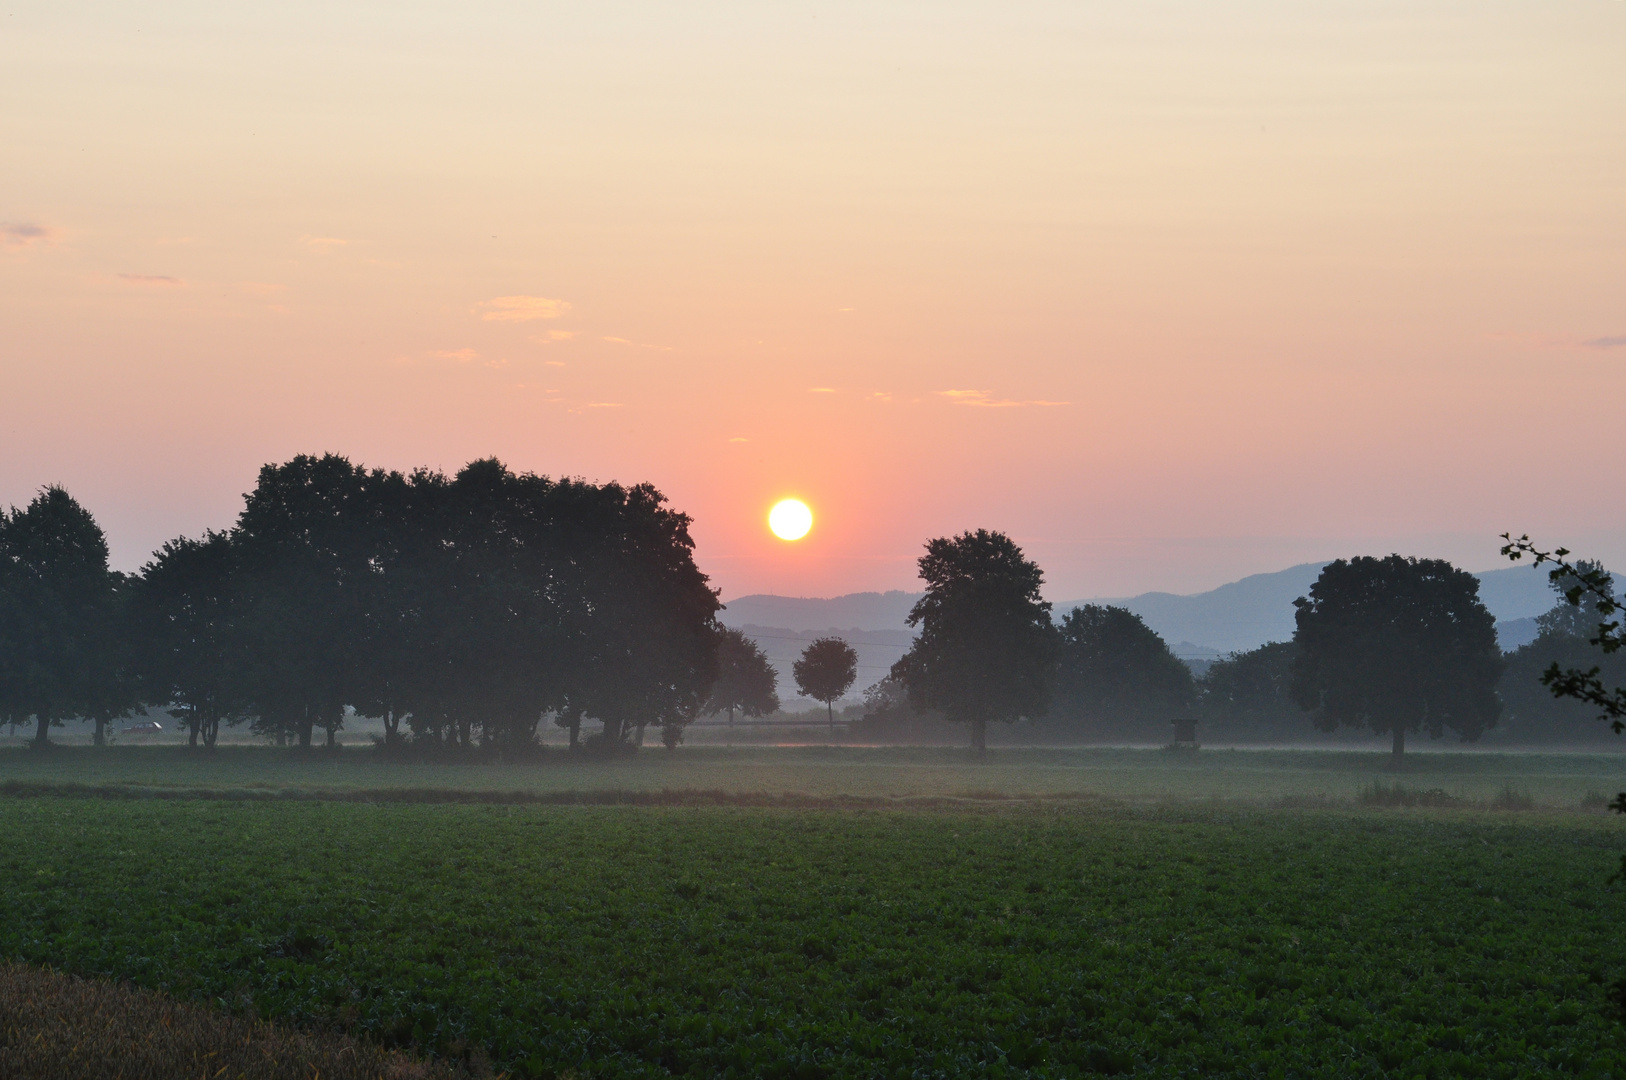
(57, 1026)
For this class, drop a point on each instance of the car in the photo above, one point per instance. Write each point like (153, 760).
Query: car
(146, 727)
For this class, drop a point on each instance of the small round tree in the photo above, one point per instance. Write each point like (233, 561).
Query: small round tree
(826, 670)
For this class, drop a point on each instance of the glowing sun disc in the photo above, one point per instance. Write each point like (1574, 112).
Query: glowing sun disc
(790, 519)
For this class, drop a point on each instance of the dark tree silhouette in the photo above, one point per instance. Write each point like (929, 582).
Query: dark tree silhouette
(303, 561)
(191, 649)
(1397, 645)
(826, 669)
(61, 654)
(746, 682)
(1116, 671)
(1255, 688)
(987, 649)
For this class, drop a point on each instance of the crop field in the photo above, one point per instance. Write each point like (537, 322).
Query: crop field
(1037, 940)
(1554, 780)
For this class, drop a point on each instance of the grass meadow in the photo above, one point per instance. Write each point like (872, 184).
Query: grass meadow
(908, 913)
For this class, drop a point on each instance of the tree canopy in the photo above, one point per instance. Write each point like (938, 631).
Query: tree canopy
(986, 648)
(1397, 645)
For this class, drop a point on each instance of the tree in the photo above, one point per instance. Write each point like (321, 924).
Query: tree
(303, 561)
(639, 616)
(1116, 670)
(1255, 689)
(60, 654)
(986, 649)
(745, 680)
(192, 656)
(825, 671)
(1396, 645)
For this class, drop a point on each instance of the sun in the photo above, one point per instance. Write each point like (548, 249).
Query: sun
(790, 519)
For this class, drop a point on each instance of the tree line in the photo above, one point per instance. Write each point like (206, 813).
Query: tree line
(457, 609)
(463, 610)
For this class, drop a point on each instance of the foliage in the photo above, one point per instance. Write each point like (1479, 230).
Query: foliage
(746, 682)
(1587, 587)
(986, 648)
(826, 670)
(1397, 645)
(1253, 690)
(1117, 675)
(628, 942)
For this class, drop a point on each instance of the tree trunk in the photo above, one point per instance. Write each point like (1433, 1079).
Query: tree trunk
(639, 732)
(731, 716)
(306, 726)
(575, 732)
(100, 738)
(211, 732)
(392, 726)
(830, 707)
(42, 736)
(1399, 747)
(192, 725)
(979, 735)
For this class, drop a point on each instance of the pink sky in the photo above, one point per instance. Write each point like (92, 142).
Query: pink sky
(1170, 292)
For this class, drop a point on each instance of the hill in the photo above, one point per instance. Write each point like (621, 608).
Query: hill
(1240, 615)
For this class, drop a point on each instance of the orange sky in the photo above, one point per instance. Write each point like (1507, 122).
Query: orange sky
(1171, 292)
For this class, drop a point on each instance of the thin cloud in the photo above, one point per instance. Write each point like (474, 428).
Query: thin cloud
(522, 308)
(739, 438)
(821, 389)
(604, 405)
(553, 363)
(150, 279)
(1606, 343)
(462, 356)
(22, 234)
(638, 344)
(558, 335)
(982, 399)
(321, 242)
(261, 288)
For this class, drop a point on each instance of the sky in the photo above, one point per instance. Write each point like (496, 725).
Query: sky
(1170, 292)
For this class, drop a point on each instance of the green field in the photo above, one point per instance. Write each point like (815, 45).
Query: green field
(1050, 939)
(1565, 781)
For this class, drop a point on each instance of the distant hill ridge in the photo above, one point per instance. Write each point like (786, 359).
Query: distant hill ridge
(1241, 615)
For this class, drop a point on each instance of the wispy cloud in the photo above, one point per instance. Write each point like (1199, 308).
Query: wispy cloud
(821, 389)
(637, 344)
(462, 356)
(261, 288)
(1606, 343)
(321, 243)
(555, 335)
(150, 279)
(739, 438)
(982, 399)
(553, 363)
(22, 234)
(522, 308)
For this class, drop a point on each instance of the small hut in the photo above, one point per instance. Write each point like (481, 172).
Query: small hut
(1185, 732)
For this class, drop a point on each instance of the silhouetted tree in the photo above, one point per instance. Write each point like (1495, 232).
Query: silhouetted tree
(1254, 688)
(1115, 671)
(303, 560)
(825, 671)
(61, 653)
(639, 616)
(745, 679)
(191, 648)
(1397, 645)
(987, 649)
